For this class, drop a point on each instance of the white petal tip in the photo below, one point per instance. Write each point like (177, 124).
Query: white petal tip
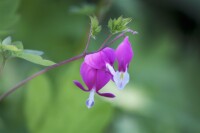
(89, 103)
(121, 79)
(120, 87)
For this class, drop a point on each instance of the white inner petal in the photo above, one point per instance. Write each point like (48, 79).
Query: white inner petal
(7, 41)
(121, 79)
(90, 100)
(110, 68)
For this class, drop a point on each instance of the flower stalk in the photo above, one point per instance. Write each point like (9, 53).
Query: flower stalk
(83, 54)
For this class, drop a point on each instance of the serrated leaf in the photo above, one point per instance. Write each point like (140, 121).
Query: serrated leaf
(118, 25)
(37, 101)
(95, 27)
(35, 59)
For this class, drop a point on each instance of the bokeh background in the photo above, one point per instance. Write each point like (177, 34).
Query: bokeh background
(163, 95)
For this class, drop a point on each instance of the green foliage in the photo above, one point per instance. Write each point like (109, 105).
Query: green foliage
(8, 15)
(118, 25)
(37, 101)
(85, 9)
(15, 49)
(35, 59)
(67, 112)
(95, 27)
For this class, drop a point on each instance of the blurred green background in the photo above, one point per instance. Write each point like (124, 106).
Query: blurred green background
(163, 95)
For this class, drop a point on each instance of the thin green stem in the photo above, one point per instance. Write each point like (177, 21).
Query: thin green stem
(88, 41)
(57, 65)
(106, 40)
(121, 35)
(39, 73)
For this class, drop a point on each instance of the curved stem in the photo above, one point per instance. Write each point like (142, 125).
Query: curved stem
(106, 40)
(39, 73)
(88, 40)
(121, 35)
(59, 64)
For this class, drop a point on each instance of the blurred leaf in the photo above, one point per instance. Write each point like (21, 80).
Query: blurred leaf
(9, 48)
(35, 52)
(15, 49)
(69, 113)
(7, 41)
(118, 25)
(37, 101)
(35, 59)
(18, 44)
(95, 27)
(8, 15)
(86, 9)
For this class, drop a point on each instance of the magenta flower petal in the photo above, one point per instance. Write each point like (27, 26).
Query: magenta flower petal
(110, 95)
(98, 60)
(95, 60)
(124, 54)
(88, 75)
(109, 55)
(103, 77)
(79, 85)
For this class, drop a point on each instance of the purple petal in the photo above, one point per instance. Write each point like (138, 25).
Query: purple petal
(109, 55)
(124, 54)
(103, 77)
(98, 60)
(95, 60)
(110, 95)
(79, 85)
(88, 75)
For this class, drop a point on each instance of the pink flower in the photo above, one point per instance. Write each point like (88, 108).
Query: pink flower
(95, 79)
(124, 54)
(97, 70)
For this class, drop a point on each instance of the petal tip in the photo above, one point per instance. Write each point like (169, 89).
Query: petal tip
(79, 85)
(89, 103)
(109, 95)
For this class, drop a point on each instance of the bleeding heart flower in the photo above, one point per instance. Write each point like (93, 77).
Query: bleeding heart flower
(97, 70)
(124, 54)
(100, 59)
(95, 79)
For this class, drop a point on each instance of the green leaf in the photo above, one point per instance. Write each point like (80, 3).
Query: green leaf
(69, 114)
(8, 9)
(35, 52)
(35, 59)
(7, 41)
(118, 25)
(37, 101)
(16, 49)
(85, 9)
(95, 27)
(10, 48)
(18, 44)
